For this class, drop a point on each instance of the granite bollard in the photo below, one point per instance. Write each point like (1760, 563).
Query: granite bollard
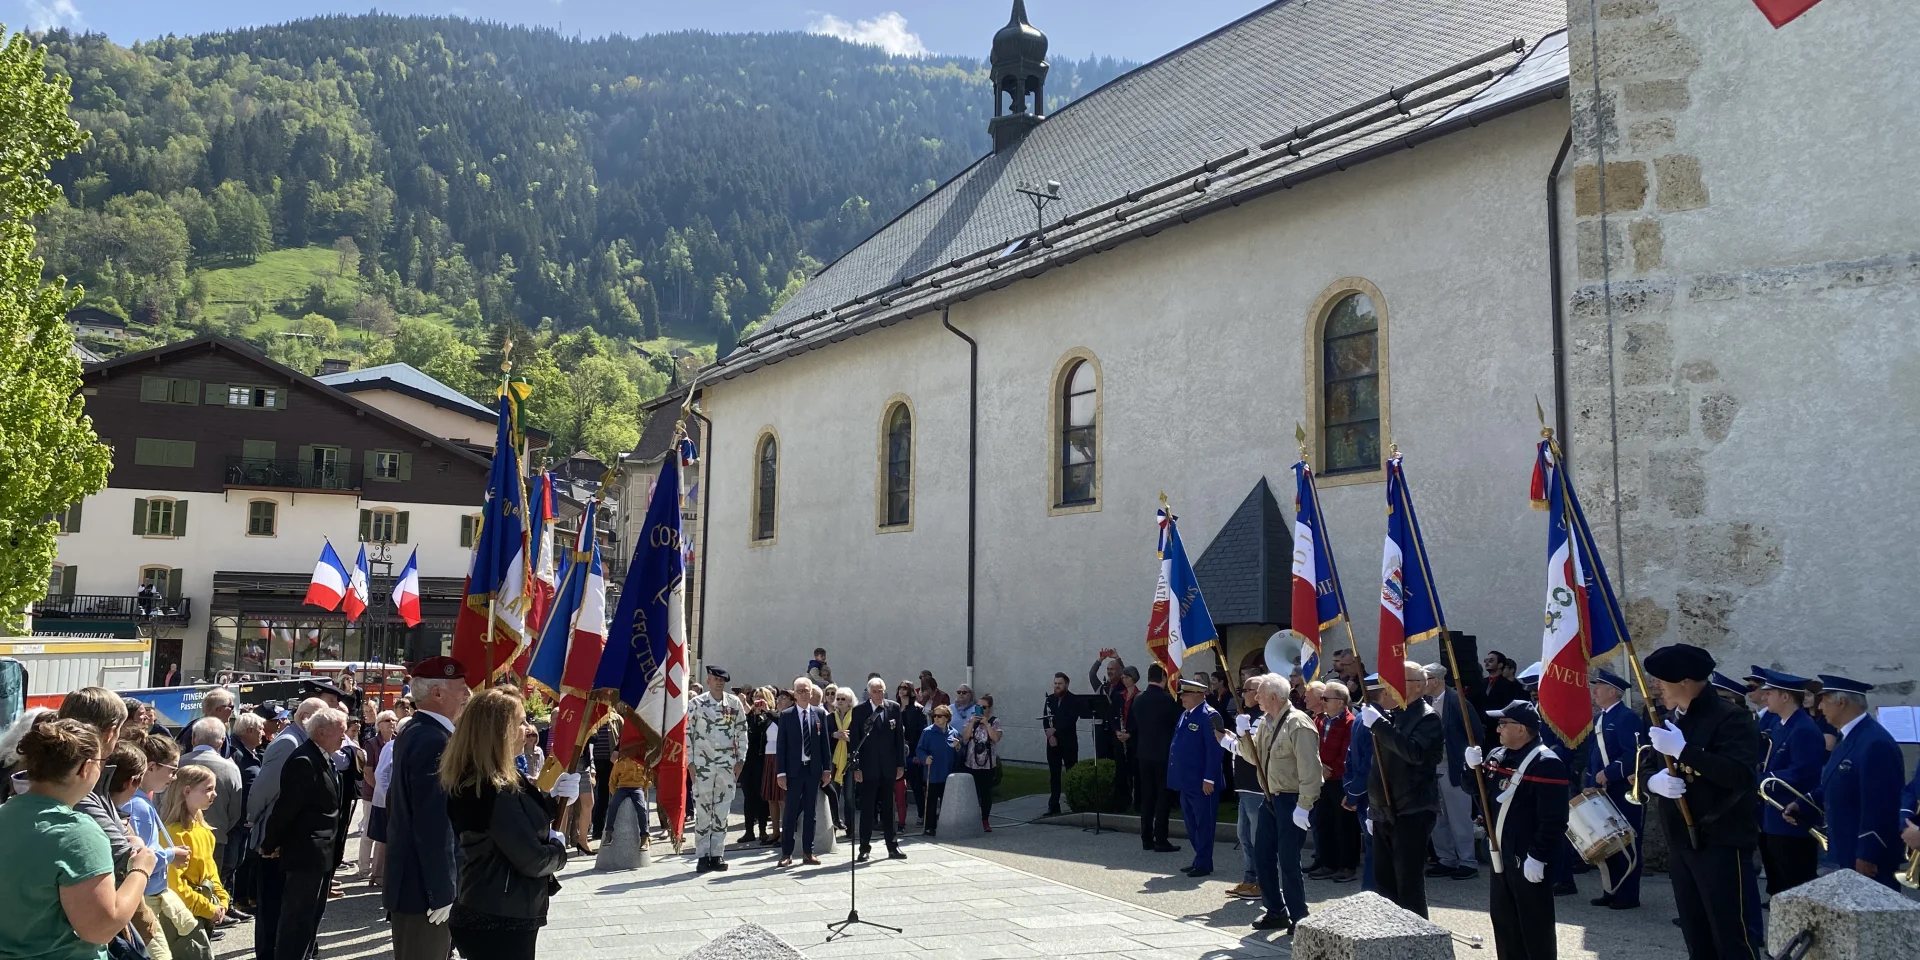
(823, 839)
(748, 941)
(1850, 918)
(1368, 926)
(959, 809)
(620, 846)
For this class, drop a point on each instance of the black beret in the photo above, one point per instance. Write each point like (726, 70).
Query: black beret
(1682, 661)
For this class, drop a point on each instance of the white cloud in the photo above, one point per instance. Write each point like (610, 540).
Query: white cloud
(48, 14)
(887, 31)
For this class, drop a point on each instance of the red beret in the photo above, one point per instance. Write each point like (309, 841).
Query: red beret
(438, 668)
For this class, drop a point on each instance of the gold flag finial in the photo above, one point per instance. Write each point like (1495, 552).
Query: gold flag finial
(506, 355)
(1546, 432)
(1300, 437)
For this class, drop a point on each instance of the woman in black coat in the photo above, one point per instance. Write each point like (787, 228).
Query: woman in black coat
(510, 853)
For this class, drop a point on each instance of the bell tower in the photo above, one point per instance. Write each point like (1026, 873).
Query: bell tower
(1019, 70)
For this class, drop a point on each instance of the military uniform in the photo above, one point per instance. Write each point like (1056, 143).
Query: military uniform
(1530, 821)
(716, 744)
(1193, 761)
(1860, 792)
(1617, 734)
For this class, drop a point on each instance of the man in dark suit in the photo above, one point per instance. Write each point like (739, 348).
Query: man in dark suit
(1061, 720)
(1149, 736)
(1403, 789)
(269, 876)
(879, 747)
(800, 763)
(303, 833)
(421, 845)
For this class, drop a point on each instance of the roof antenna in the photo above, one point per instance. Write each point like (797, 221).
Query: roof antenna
(1040, 194)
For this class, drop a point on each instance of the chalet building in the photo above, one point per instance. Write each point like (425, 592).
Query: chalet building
(1386, 221)
(229, 472)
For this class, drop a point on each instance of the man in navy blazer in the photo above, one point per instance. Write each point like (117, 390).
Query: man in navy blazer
(1617, 731)
(800, 761)
(1860, 788)
(422, 871)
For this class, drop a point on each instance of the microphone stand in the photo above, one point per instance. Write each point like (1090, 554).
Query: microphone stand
(839, 928)
(1117, 760)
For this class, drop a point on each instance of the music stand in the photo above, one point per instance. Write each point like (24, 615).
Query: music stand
(1100, 708)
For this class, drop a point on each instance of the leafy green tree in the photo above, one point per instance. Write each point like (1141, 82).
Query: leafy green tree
(322, 331)
(50, 457)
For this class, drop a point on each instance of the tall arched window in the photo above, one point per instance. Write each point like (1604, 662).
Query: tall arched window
(766, 485)
(1079, 445)
(898, 480)
(1350, 377)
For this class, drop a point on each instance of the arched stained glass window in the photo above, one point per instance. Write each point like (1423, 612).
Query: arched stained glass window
(899, 482)
(1078, 444)
(1350, 381)
(765, 486)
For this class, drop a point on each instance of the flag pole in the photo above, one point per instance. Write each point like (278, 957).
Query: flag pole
(1626, 639)
(1453, 661)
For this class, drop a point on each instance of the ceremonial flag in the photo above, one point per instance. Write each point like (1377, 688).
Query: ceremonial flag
(329, 584)
(645, 661)
(406, 591)
(1409, 604)
(1318, 603)
(578, 627)
(1583, 619)
(359, 588)
(497, 578)
(1171, 637)
(546, 574)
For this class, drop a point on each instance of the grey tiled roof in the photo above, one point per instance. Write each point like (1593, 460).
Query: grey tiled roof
(1246, 573)
(1132, 152)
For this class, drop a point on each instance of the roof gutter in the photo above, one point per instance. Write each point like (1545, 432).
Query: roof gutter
(1408, 141)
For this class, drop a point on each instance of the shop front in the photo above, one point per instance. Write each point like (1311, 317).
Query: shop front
(260, 624)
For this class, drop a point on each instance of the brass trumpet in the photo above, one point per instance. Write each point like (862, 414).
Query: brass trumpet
(1807, 806)
(1910, 874)
(1637, 795)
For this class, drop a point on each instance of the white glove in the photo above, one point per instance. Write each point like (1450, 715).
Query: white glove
(1534, 870)
(1368, 715)
(1301, 818)
(1667, 785)
(1667, 739)
(438, 915)
(1369, 826)
(1474, 756)
(555, 836)
(567, 787)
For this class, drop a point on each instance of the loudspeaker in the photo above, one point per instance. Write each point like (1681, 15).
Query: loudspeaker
(1466, 648)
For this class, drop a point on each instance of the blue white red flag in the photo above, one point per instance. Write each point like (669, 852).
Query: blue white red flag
(329, 584)
(645, 660)
(406, 591)
(359, 587)
(546, 565)
(1318, 604)
(1179, 623)
(579, 627)
(502, 561)
(1583, 619)
(1409, 604)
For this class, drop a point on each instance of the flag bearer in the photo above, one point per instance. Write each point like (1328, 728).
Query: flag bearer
(1797, 755)
(1529, 820)
(1617, 733)
(1860, 787)
(1193, 768)
(716, 743)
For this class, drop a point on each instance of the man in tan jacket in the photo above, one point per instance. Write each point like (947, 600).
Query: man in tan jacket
(1285, 750)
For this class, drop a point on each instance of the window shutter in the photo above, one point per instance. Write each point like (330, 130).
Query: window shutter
(400, 528)
(180, 453)
(139, 518)
(69, 575)
(174, 576)
(406, 466)
(280, 395)
(154, 389)
(466, 531)
(184, 391)
(366, 465)
(179, 518)
(73, 517)
(366, 525)
(345, 468)
(264, 450)
(216, 394)
(149, 453)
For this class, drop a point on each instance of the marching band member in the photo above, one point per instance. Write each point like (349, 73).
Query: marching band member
(1715, 747)
(1797, 756)
(1529, 825)
(1860, 787)
(1616, 736)
(1910, 811)
(1560, 868)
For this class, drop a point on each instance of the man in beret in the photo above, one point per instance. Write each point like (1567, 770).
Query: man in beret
(421, 844)
(716, 749)
(1713, 748)
(1616, 736)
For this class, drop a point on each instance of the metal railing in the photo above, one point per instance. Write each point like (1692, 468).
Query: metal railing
(105, 607)
(298, 474)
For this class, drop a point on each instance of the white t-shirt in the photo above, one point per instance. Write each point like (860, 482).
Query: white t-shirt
(383, 773)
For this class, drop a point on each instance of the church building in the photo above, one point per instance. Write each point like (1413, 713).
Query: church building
(1382, 222)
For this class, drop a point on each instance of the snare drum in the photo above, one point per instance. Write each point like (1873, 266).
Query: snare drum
(1596, 828)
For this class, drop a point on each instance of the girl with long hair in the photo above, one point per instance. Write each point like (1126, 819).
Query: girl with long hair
(195, 878)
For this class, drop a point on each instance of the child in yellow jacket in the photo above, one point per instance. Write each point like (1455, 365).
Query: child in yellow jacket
(195, 878)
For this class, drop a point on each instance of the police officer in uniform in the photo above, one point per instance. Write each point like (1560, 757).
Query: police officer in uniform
(1796, 753)
(1617, 732)
(1193, 769)
(1715, 749)
(1529, 821)
(1860, 787)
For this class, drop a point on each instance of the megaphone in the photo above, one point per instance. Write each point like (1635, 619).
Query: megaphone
(1284, 651)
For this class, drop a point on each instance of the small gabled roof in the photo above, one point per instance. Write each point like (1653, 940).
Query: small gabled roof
(247, 354)
(412, 381)
(1246, 573)
(96, 316)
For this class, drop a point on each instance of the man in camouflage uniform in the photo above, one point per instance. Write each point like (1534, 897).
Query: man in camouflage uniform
(717, 744)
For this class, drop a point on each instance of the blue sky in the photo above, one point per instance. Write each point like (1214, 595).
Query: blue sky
(1134, 29)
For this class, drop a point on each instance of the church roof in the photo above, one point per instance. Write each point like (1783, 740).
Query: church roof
(1246, 573)
(1289, 92)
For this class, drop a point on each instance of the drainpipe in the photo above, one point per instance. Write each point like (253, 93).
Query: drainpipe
(706, 439)
(1559, 306)
(973, 473)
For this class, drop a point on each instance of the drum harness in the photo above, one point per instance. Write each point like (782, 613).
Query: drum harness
(1607, 884)
(1506, 797)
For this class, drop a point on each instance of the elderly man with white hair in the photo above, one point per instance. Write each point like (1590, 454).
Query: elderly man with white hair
(1453, 824)
(271, 877)
(1284, 750)
(1403, 789)
(206, 737)
(302, 833)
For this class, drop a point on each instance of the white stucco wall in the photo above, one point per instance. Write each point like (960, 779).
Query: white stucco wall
(439, 421)
(110, 556)
(1201, 333)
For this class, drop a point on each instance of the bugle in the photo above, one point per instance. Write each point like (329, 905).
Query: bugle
(1637, 795)
(1807, 806)
(1909, 875)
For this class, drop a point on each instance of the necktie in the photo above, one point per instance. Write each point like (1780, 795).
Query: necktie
(806, 736)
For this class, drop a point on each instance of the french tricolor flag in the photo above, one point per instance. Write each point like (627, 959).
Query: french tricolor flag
(329, 585)
(406, 592)
(355, 602)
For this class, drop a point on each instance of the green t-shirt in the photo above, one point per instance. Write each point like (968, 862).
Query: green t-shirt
(46, 845)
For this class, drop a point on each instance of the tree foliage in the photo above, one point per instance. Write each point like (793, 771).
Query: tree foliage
(49, 455)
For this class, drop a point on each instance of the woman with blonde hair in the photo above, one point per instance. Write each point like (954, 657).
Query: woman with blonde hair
(510, 853)
(195, 878)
